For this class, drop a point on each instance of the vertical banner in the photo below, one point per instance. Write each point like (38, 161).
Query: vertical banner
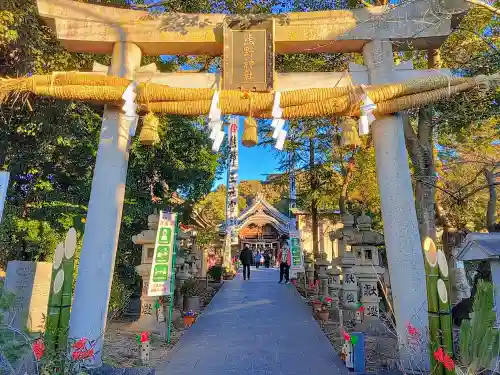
(232, 182)
(161, 269)
(296, 250)
(292, 224)
(4, 184)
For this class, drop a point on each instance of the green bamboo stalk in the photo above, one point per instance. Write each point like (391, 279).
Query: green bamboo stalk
(55, 297)
(432, 276)
(444, 293)
(68, 265)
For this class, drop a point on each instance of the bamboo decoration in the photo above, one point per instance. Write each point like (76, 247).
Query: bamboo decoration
(55, 298)
(444, 293)
(350, 135)
(432, 277)
(68, 265)
(61, 289)
(149, 132)
(339, 101)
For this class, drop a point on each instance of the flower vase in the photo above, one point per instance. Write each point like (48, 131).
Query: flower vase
(188, 321)
(145, 350)
(317, 306)
(323, 315)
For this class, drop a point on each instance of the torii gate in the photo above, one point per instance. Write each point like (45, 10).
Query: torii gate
(128, 34)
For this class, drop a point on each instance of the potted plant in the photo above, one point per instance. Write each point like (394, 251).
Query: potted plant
(190, 290)
(215, 272)
(323, 314)
(189, 318)
(229, 273)
(317, 305)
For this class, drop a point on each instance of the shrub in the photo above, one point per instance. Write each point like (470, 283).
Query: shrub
(479, 340)
(215, 272)
(191, 288)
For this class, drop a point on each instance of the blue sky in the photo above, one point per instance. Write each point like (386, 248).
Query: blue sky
(254, 163)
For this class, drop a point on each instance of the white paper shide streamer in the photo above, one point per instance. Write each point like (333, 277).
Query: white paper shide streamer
(215, 123)
(278, 123)
(130, 106)
(365, 120)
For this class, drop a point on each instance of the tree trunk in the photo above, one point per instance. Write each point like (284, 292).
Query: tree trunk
(314, 200)
(425, 172)
(492, 202)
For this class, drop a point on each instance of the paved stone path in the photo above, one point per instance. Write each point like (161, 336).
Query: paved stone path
(255, 327)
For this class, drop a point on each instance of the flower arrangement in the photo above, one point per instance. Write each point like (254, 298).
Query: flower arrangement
(82, 349)
(189, 318)
(143, 337)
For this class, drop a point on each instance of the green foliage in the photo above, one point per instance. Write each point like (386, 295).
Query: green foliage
(12, 343)
(191, 288)
(215, 272)
(479, 340)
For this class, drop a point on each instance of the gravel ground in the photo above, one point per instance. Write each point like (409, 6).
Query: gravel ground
(120, 343)
(380, 351)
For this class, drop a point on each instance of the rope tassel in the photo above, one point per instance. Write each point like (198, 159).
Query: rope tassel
(149, 132)
(350, 135)
(250, 136)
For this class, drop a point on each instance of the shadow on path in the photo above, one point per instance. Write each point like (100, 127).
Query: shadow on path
(254, 327)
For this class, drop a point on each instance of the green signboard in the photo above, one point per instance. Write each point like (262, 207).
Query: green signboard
(161, 269)
(296, 249)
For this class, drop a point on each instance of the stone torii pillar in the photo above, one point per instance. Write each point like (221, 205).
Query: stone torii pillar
(97, 259)
(404, 250)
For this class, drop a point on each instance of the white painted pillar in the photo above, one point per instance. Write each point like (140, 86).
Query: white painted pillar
(97, 259)
(404, 250)
(495, 279)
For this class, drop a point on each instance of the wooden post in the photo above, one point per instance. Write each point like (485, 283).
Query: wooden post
(97, 259)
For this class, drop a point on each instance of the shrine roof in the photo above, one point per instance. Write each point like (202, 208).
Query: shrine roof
(418, 24)
(479, 246)
(260, 204)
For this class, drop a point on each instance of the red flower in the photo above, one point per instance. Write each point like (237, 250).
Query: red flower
(439, 355)
(448, 363)
(347, 337)
(412, 331)
(144, 336)
(38, 349)
(79, 355)
(80, 344)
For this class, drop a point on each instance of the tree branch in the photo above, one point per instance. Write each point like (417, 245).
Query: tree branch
(485, 5)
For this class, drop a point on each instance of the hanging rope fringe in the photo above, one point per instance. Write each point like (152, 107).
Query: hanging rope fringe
(350, 135)
(340, 101)
(149, 132)
(250, 136)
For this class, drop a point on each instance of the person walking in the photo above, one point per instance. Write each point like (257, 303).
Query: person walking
(257, 259)
(285, 260)
(246, 260)
(267, 260)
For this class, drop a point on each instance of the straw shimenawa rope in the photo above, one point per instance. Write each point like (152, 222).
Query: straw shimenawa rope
(159, 98)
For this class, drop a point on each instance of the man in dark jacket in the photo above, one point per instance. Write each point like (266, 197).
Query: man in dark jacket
(246, 259)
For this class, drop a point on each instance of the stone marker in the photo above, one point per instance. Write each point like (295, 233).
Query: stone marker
(30, 282)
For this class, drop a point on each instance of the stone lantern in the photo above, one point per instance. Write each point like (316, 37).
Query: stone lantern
(147, 240)
(367, 266)
(322, 264)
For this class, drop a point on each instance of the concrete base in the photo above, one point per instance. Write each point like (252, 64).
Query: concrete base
(108, 370)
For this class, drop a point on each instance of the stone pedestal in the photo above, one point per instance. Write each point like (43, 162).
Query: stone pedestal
(334, 285)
